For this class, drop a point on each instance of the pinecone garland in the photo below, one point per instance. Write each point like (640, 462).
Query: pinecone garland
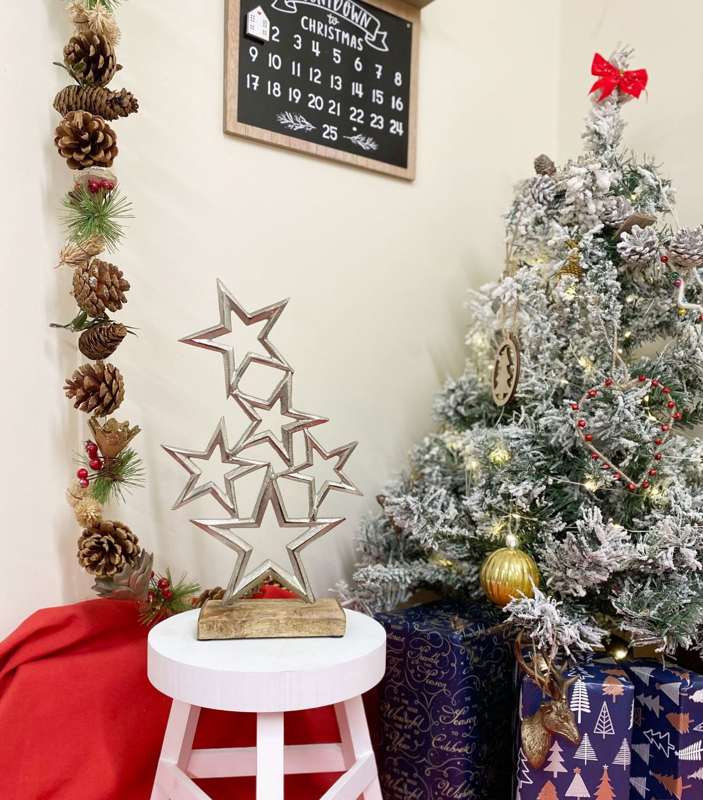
(101, 341)
(85, 140)
(96, 100)
(686, 248)
(639, 247)
(615, 211)
(99, 286)
(544, 165)
(96, 388)
(106, 548)
(90, 58)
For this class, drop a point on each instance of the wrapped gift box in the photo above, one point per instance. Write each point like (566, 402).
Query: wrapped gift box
(598, 765)
(446, 705)
(667, 737)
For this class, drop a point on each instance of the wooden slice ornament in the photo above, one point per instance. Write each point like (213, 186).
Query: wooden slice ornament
(506, 370)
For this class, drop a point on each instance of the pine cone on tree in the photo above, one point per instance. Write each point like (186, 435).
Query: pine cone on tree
(543, 190)
(91, 59)
(686, 248)
(544, 165)
(106, 548)
(616, 210)
(96, 388)
(639, 247)
(99, 286)
(96, 100)
(101, 341)
(85, 140)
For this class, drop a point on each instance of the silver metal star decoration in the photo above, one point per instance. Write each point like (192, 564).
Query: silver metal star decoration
(194, 489)
(317, 496)
(295, 578)
(244, 579)
(207, 338)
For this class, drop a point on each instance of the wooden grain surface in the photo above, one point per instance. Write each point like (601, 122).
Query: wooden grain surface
(406, 10)
(271, 619)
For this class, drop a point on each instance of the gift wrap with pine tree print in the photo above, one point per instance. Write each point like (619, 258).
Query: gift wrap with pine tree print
(667, 737)
(447, 704)
(602, 700)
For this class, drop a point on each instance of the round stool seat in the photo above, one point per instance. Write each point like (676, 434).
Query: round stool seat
(265, 675)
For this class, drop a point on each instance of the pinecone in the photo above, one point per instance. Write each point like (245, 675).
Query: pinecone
(544, 165)
(98, 20)
(615, 211)
(99, 286)
(209, 594)
(639, 247)
(85, 140)
(106, 548)
(686, 248)
(101, 340)
(543, 190)
(96, 100)
(96, 388)
(90, 58)
(75, 255)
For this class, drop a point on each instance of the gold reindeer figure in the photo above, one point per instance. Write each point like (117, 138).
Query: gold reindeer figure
(553, 718)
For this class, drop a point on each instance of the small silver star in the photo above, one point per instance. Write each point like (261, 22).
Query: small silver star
(207, 338)
(317, 496)
(242, 581)
(283, 444)
(192, 490)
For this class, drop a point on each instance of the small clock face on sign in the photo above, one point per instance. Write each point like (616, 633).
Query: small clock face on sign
(506, 371)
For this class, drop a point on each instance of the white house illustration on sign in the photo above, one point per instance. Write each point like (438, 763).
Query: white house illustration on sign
(258, 25)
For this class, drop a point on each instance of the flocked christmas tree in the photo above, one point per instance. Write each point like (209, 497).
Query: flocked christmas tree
(568, 435)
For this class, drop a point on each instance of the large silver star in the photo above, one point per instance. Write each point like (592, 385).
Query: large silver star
(317, 496)
(283, 444)
(207, 339)
(193, 490)
(243, 581)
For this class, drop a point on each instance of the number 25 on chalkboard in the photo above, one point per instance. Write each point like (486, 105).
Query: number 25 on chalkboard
(331, 78)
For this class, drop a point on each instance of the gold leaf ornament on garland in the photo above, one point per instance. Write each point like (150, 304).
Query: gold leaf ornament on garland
(508, 573)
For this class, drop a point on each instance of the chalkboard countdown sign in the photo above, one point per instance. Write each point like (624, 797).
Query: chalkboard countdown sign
(332, 78)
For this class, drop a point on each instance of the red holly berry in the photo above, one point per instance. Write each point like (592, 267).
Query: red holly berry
(582, 423)
(655, 382)
(678, 416)
(608, 382)
(94, 186)
(652, 472)
(617, 476)
(645, 484)
(168, 594)
(671, 404)
(574, 406)
(700, 319)
(594, 456)
(665, 259)
(89, 445)
(164, 584)
(85, 483)
(82, 474)
(665, 428)
(108, 185)
(658, 441)
(658, 456)
(605, 467)
(593, 393)
(666, 390)
(631, 487)
(678, 282)
(588, 437)
(93, 453)
(642, 378)
(96, 464)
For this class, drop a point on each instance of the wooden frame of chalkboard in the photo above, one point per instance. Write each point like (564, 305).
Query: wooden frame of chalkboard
(316, 114)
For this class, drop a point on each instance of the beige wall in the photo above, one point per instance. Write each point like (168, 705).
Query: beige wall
(376, 268)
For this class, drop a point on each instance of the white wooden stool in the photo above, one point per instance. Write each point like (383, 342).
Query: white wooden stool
(268, 677)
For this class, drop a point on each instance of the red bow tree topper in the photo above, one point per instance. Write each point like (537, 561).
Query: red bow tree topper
(610, 78)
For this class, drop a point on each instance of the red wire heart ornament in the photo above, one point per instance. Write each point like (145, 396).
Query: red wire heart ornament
(664, 429)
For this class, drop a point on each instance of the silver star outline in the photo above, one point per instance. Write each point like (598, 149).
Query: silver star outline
(244, 581)
(206, 339)
(192, 491)
(283, 394)
(316, 497)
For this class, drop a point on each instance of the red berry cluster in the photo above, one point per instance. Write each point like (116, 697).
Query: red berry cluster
(664, 427)
(94, 186)
(94, 462)
(160, 590)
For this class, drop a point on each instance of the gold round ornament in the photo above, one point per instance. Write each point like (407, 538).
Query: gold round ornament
(508, 572)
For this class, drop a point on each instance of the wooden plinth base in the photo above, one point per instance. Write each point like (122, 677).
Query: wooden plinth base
(271, 619)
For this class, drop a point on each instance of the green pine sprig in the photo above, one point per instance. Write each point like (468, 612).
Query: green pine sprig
(161, 603)
(96, 214)
(118, 475)
(82, 322)
(108, 5)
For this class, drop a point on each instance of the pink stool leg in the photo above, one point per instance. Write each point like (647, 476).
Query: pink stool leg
(178, 742)
(356, 742)
(269, 756)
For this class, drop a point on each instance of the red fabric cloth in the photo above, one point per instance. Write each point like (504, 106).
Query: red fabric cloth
(79, 719)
